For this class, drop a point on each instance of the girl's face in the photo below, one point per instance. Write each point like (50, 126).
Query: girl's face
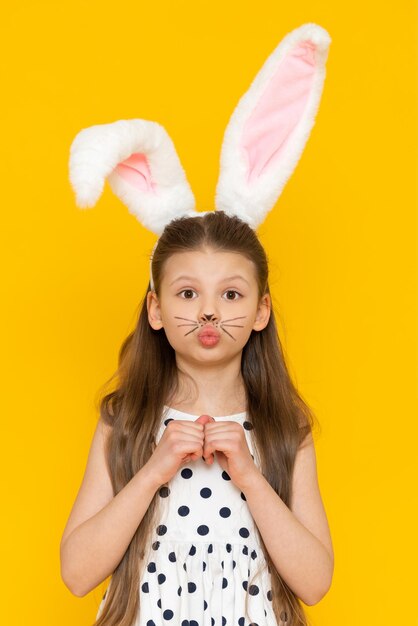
(208, 304)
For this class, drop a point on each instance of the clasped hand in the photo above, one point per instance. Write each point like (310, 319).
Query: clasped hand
(227, 439)
(180, 444)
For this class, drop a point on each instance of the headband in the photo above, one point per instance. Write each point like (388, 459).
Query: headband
(262, 144)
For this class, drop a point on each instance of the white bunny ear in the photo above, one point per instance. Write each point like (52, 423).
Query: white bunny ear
(142, 166)
(270, 126)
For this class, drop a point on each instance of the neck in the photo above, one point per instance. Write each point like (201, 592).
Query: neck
(216, 389)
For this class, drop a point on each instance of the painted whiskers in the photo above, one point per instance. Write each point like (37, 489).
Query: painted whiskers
(221, 324)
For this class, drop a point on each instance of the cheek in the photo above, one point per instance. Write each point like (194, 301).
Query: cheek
(177, 327)
(245, 334)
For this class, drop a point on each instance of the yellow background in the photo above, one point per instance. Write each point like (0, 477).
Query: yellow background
(342, 242)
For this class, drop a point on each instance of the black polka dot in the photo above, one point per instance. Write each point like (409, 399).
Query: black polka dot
(243, 497)
(224, 583)
(164, 492)
(202, 529)
(172, 557)
(241, 621)
(253, 554)
(244, 532)
(204, 565)
(253, 624)
(269, 595)
(192, 550)
(205, 605)
(206, 492)
(210, 548)
(161, 529)
(145, 587)
(253, 590)
(159, 603)
(245, 584)
(228, 547)
(161, 578)
(283, 616)
(223, 620)
(150, 622)
(226, 476)
(245, 550)
(183, 511)
(233, 564)
(179, 592)
(151, 567)
(168, 614)
(193, 623)
(225, 512)
(191, 587)
(186, 473)
(248, 425)
(155, 545)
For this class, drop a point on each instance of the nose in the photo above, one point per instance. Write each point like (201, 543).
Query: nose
(208, 308)
(208, 317)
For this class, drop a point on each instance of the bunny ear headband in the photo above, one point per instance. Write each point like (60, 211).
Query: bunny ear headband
(262, 144)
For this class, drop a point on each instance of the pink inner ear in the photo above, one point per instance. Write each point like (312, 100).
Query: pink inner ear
(135, 170)
(270, 125)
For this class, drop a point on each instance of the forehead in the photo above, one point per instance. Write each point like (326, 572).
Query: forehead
(208, 264)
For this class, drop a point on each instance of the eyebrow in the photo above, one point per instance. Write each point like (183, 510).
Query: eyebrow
(224, 280)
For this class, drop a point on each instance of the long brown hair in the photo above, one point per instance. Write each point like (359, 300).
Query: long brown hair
(147, 376)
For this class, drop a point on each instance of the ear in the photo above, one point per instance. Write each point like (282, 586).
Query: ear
(263, 313)
(142, 166)
(154, 311)
(271, 124)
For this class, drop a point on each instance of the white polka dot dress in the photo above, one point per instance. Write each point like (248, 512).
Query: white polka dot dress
(204, 553)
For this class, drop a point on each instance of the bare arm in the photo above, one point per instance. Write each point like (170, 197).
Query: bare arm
(101, 525)
(297, 538)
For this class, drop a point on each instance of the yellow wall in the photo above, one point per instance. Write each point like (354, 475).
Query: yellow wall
(341, 241)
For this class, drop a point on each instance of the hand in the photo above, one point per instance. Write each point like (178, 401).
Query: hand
(180, 442)
(203, 419)
(232, 451)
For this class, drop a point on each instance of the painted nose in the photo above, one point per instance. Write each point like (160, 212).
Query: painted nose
(208, 317)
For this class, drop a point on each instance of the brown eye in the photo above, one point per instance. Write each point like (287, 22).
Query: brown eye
(188, 294)
(233, 293)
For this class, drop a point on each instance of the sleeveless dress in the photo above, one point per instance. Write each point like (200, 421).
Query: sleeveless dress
(204, 555)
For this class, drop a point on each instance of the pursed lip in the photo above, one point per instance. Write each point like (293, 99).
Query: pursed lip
(208, 331)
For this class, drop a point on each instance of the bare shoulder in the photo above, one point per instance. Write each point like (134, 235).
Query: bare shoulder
(96, 487)
(307, 504)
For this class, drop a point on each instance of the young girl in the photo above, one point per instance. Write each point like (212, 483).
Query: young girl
(200, 495)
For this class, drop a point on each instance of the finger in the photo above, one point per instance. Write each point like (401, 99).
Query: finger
(186, 425)
(228, 446)
(204, 419)
(208, 458)
(186, 434)
(225, 427)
